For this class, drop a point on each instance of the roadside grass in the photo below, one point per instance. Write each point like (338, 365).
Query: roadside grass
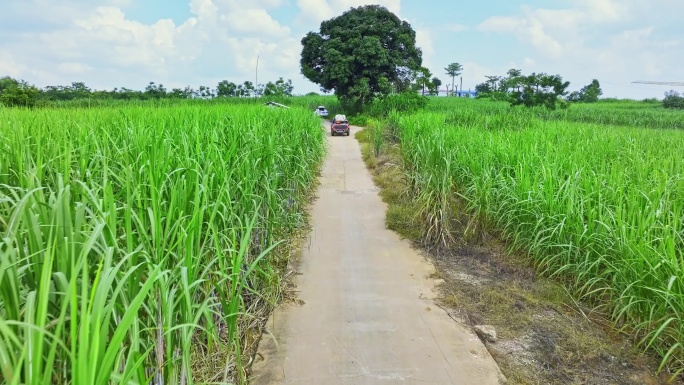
(387, 173)
(146, 245)
(545, 336)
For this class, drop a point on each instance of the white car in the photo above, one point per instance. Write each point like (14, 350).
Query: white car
(321, 111)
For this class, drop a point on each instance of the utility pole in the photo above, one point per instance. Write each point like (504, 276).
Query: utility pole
(256, 78)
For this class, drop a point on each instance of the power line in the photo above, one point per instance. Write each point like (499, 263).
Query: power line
(632, 86)
(675, 84)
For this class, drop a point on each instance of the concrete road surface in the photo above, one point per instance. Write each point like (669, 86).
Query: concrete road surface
(367, 316)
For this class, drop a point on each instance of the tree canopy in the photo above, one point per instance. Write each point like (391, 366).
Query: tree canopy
(673, 100)
(588, 94)
(363, 53)
(536, 89)
(540, 89)
(17, 93)
(453, 70)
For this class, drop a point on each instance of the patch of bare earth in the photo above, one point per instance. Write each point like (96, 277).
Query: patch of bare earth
(542, 335)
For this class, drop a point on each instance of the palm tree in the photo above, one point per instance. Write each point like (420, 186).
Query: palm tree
(453, 70)
(424, 75)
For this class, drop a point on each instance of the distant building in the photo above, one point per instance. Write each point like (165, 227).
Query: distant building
(466, 94)
(459, 93)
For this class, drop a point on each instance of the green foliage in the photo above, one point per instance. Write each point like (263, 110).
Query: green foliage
(673, 100)
(453, 70)
(536, 89)
(360, 120)
(178, 93)
(513, 80)
(540, 90)
(17, 93)
(436, 83)
(423, 82)
(497, 87)
(279, 88)
(377, 138)
(77, 90)
(155, 91)
(404, 102)
(605, 112)
(597, 207)
(588, 94)
(137, 240)
(226, 89)
(363, 53)
(20, 93)
(651, 100)
(246, 89)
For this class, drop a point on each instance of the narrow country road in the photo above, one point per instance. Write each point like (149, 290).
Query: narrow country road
(367, 316)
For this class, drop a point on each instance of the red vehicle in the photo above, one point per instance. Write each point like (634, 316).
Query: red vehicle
(339, 125)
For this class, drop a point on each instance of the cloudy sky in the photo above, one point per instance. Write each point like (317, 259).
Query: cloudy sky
(128, 43)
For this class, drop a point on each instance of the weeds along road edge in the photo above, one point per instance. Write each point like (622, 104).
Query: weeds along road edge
(592, 205)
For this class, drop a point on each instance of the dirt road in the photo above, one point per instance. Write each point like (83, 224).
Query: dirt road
(367, 316)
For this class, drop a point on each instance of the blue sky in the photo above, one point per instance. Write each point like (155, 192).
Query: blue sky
(128, 43)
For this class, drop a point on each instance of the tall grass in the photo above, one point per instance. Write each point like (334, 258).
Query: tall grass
(598, 207)
(626, 113)
(309, 102)
(135, 241)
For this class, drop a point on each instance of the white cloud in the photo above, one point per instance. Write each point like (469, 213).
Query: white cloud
(254, 21)
(475, 73)
(532, 28)
(593, 39)
(315, 11)
(50, 42)
(604, 10)
(425, 42)
(73, 68)
(556, 32)
(9, 66)
(220, 40)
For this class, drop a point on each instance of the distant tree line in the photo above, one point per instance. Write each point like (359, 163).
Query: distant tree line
(536, 89)
(424, 82)
(673, 100)
(588, 94)
(15, 92)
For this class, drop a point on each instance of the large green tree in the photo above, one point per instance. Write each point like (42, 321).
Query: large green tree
(588, 94)
(673, 100)
(363, 53)
(540, 89)
(278, 88)
(226, 89)
(423, 82)
(436, 83)
(155, 91)
(513, 80)
(17, 93)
